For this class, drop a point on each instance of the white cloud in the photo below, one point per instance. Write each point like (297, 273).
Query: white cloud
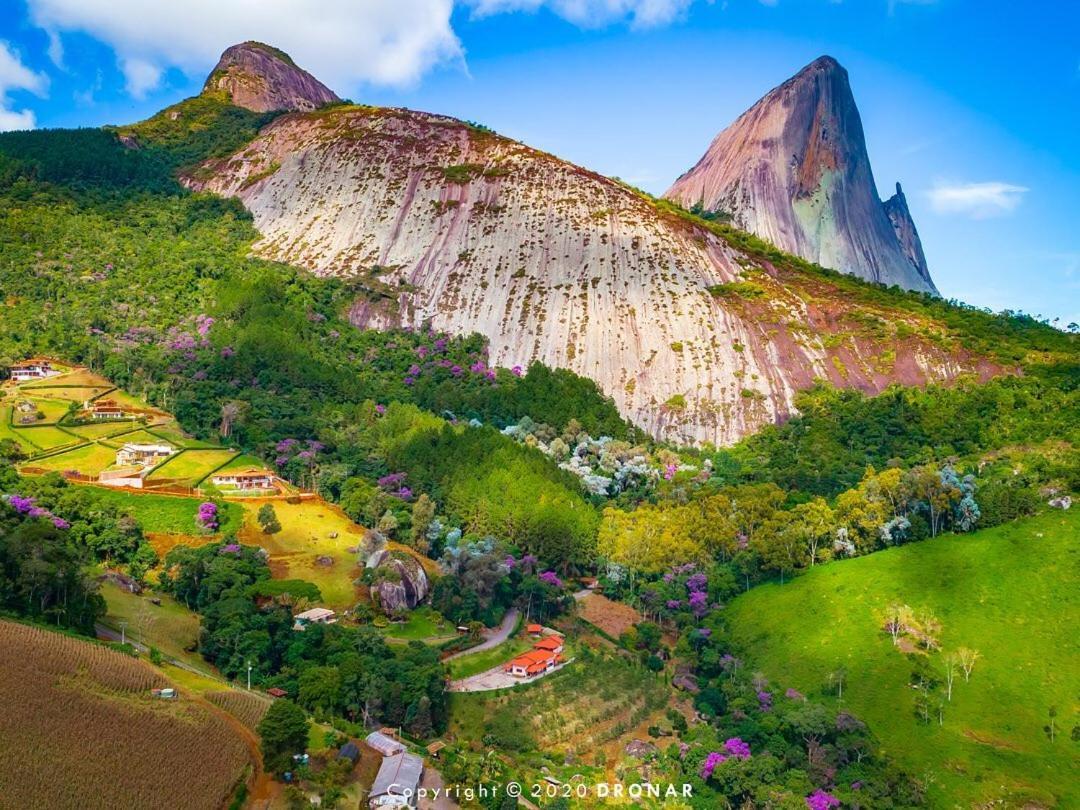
(976, 200)
(592, 13)
(14, 75)
(343, 42)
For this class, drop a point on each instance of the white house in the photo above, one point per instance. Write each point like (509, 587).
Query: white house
(103, 409)
(36, 368)
(252, 479)
(314, 616)
(143, 455)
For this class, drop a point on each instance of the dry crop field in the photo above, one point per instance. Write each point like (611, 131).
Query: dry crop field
(247, 707)
(79, 728)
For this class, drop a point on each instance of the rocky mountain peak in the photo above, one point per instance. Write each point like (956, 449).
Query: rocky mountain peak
(794, 170)
(262, 78)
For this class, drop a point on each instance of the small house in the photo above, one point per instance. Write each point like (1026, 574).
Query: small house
(383, 743)
(532, 663)
(103, 409)
(434, 749)
(551, 644)
(277, 692)
(36, 368)
(534, 629)
(314, 616)
(397, 782)
(143, 455)
(249, 480)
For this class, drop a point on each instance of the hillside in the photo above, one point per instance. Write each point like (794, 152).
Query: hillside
(693, 336)
(80, 729)
(1009, 592)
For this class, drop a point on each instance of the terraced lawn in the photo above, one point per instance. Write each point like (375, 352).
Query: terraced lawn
(46, 437)
(103, 430)
(54, 409)
(168, 514)
(89, 459)
(191, 466)
(73, 393)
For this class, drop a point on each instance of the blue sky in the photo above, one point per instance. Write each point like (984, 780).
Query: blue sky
(974, 105)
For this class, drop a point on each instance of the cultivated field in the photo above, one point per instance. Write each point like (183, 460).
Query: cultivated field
(80, 729)
(614, 618)
(247, 707)
(589, 707)
(1010, 592)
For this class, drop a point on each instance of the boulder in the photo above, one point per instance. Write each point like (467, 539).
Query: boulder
(400, 581)
(640, 749)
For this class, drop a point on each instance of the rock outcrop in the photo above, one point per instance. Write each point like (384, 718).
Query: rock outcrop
(400, 582)
(263, 79)
(794, 170)
(695, 338)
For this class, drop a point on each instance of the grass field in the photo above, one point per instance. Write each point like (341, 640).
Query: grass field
(88, 459)
(82, 377)
(169, 514)
(103, 430)
(47, 437)
(170, 627)
(8, 432)
(242, 462)
(80, 729)
(53, 409)
(304, 537)
(191, 466)
(482, 661)
(422, 624)
(73, 393)
(1010, 592)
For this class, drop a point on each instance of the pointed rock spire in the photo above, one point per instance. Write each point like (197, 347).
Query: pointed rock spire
(794, 170)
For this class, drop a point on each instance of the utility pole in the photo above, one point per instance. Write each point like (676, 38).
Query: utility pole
(123, 636)
(249, 675)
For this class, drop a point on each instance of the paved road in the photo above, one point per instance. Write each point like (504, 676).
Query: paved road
(493, 637)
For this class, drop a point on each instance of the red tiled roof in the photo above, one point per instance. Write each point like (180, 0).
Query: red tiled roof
(533, 661)
(550, 644)
(535, 628)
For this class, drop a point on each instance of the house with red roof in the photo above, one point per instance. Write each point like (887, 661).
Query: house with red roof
(550, 644)
(545, 656)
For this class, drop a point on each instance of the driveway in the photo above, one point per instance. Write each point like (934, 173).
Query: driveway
(495, 678)
(494, 637)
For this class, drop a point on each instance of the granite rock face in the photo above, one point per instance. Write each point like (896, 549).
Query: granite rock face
(794, 170)
(263, 79)
(401, 582)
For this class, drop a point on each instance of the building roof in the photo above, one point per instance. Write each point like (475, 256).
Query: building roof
(533, 661)
(535, 628)
(349, 751)
(385, 745)
(250, 472)
(276, 691)
(436, 747)
(399, 775)
(548, 643)
(315, 614)
(134, 447)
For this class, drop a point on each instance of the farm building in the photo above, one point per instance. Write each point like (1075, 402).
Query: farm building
(397, 782)
(36, 368)
(102, 409)
(383, 743)
(314, 616)
(143, 455)
(252, 479)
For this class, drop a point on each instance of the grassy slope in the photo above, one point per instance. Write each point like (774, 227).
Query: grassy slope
(1009, 592)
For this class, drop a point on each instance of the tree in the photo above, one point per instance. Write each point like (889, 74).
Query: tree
(284, 732)
(268, 519)
(1051, 727)
(968, 657)
(952, 665)
(837, 678)
(814, 524)
(423, 513)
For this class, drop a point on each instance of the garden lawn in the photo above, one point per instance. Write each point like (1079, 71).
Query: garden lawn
(8, 432)
(476, 663)
(170, 627)
(71, 394)
(1010, 592)
(53, 409)
(242, 462)
(88, 459)
(102, 430)
(191, 466)
(422, 624)
(169, 514)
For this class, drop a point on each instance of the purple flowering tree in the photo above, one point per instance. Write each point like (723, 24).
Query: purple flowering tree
(206, 518)
(821, 800)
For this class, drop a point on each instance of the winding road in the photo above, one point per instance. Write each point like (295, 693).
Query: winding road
(492, 638)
